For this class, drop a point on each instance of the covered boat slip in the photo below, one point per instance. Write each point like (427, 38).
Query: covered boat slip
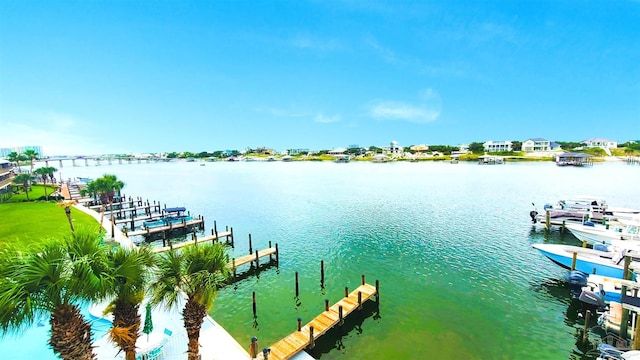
(574, 159)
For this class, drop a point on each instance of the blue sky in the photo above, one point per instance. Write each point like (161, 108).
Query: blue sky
(90, 77)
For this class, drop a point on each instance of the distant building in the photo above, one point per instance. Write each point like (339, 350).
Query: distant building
(601, 143)
(393, 149)
(4, 152)
(298, 151)
(462, 149)
(6, 176)
(337, 151)
(497, 146)
(537, 144)
(419, 148)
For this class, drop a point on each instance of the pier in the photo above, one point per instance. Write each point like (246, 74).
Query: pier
(159, 229)
(305, 336)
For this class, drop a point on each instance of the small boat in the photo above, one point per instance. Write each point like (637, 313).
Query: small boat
(342, 158)
(604, 234)
(589, 261)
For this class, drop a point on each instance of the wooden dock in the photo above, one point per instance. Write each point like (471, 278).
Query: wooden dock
(159, 229)
(195, 240)
(306, 335)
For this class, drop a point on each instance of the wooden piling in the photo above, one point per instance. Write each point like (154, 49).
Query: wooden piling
(232, 245)
(270, 256)
(233, 262)
(257, 262)
(346, 291)
(377, 291)
(253, 349)
(312, 343)
(299, 324)
(297, 287)
(326, 304)
(573, 261)
(340, 316)
(250, 248)
(360, 300)
(625, 312)
(585, 334)
(547, 223)
(363, 279)
(277, 256)
(322, 273)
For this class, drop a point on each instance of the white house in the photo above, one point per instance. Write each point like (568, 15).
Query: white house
(497, 146)
(393, 149)
(601, 143)
(537, 144)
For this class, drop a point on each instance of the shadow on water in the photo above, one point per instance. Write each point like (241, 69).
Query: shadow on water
(333, 338)
(539, 234)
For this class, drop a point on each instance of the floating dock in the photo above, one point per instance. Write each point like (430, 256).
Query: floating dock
(306, 335)
(159, 229)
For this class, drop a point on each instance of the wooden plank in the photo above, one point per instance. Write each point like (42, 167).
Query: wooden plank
(298, 340)
(158, 229)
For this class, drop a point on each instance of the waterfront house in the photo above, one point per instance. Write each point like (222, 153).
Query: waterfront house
(393, 149)
(536, 144)
(337, 151)
(574, 159)
(497, 146)
(601, 143)
(6, 176)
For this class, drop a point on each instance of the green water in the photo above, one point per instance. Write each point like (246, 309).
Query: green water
(449, 243)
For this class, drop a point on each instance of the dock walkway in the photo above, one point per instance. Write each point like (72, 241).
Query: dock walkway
(306, 335)
(158, 229)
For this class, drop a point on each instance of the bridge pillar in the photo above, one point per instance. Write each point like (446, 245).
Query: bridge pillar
(60, 163)
(86, 162)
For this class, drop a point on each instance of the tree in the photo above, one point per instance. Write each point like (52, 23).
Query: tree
(105, 187)
(516, 145)
(45, 172)
(129, 269)
(31, 155)
(195, 272)
(52, 280)
(23, 179)
(16, 158)
(476, 147)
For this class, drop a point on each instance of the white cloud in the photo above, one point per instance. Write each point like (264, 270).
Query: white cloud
(56, 133)
(426, 110)
(321, 118)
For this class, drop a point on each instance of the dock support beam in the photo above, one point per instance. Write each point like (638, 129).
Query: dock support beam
(312, 342)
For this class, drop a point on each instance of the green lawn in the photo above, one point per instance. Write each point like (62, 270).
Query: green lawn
(29, 222)
(36, 192)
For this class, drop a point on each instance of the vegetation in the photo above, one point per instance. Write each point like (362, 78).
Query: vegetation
(23, 180)
(198, 272)
(51, 280)
(31, 223)
(46, 173)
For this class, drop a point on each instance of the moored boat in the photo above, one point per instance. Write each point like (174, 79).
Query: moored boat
(605, 234)
(589, 261)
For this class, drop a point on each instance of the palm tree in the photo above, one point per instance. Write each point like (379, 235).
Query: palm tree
(16, 158)
(45, 172)
(131, 275)
(31, 155)
(106, 187)
(51, 281)
(23, 179)
(195, 272)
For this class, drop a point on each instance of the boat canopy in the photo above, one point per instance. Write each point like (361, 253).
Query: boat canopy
(175, 209)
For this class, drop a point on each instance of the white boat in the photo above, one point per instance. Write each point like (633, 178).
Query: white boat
(581, 208)
(604, 234)
(589, 261)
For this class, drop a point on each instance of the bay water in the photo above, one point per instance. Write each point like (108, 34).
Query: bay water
(449, 243)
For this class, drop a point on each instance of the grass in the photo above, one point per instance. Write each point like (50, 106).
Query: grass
(33, 222)
(36, 192)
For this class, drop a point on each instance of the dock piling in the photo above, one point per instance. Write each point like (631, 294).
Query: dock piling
(270, 256)
(299, 324)
(322, 274)
(585, 334)
(265, 353)
(250, 248)
(257, 262)
(277, 256)
(377, 291)
(363, 279)
(360, 300)
(326, 304)
(346, 291)
(573, 261)
(253, 349)
(312, 343)
(297, 287)
(340, 316)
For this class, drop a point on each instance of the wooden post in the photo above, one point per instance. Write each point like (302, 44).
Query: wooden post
(312, 343)
(359, 300)
(564, 224)
(233, 264)
(257, 261)
(253, 296)
(232, 245)
(625, 312)
(585, 334)
(215, 229)
(277, 256)
(253, 349)
(322, 273)
(584, 244)
(346, 291)
(299, 324)
(363, 282)
(326, 304)
(297, 288)
(250, 248)
(573, 261)
(377, 291)
(195, 239)
(341, 320)
(270, 256)
(547, 220)
(265, 353)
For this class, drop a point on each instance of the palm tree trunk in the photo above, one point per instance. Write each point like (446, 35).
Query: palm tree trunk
(44, 180)
(70, 334)
(193, 314)
(127, 318)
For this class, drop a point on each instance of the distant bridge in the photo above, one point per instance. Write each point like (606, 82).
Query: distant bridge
(99, 160)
